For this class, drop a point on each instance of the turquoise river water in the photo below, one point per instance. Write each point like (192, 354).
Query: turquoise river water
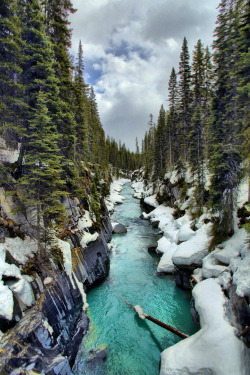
(133, 345)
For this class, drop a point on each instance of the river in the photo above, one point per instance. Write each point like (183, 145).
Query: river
(133, 345)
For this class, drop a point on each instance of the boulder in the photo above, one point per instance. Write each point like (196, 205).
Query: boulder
(119, 228)
(155, 223)
(152, 247)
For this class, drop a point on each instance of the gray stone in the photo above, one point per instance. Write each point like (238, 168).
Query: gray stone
(155, 223)
(119, 228)
(152, 247)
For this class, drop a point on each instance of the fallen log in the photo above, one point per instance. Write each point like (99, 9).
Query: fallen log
(167, 326)
(142, 315)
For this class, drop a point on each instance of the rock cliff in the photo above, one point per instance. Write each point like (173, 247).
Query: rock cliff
(43, 302)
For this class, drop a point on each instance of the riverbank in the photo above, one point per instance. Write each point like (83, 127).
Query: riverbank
(222, 278)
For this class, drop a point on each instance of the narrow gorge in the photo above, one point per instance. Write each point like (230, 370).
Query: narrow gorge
(124, 185)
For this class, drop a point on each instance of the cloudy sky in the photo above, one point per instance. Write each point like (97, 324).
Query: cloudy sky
(130, 48)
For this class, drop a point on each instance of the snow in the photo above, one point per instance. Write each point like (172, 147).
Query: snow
(214, 349)
(67, 258)
(166, 264)
(161, 213)
(115, 197)
(151, 201)
(21, 250)
(241, 273)
(8, 155)
(23, 291)
(140, 312)
(182, 220)
(163, 245)
(232, 247)
(9, 270)
(88, 237)
(185, 233)
(194, 250)
(139, 189)
(173, 177)
(47, 280)
(82, 291)
(47, 326)
(6, 308)
(170, 231)
(85, 221)
(243, 192)
(211, 266)
(219, 260)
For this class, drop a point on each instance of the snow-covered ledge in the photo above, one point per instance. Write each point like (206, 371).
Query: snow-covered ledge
(214, 349)
(7, 154)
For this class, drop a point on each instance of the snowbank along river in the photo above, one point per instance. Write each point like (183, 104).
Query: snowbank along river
(134, 345)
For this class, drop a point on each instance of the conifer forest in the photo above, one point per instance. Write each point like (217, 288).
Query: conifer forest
(61, 175)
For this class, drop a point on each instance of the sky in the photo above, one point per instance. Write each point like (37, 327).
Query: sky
(130, 47)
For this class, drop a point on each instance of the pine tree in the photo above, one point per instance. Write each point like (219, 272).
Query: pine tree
(82, 109)
(173, 136)
(185, 97)
(225, 153)
(41, 182)
(96, 133)
(160, 145)
(38, 73)
(57, 28)
(11, 103)
(198, 68)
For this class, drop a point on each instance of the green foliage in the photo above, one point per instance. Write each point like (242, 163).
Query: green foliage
(11, 90)
(41, 179)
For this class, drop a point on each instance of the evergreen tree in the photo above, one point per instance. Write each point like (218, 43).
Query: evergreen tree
(198, 67)
(41, 181)
(225, 153)
(57, 28)
(173, 135)
(160, 145)
(11, 103)
(185, 97)
(38, 73)
(82, 109)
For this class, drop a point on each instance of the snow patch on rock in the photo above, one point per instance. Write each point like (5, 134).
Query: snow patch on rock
(166, 264)
(85, 221)
(7, 154)
(164, 245)
(88, 237)
(151, 201)
(214, 349)
(7, 302)
(192, 252)
(185, 233)
(67, 258)
(115, 197)
(21, 250)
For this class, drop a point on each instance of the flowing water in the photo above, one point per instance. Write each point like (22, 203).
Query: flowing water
(133, 345)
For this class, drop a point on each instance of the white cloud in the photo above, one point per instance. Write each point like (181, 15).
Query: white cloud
(132, 47)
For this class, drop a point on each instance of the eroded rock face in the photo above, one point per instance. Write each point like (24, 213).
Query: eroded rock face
(57, 322)
(54, 326)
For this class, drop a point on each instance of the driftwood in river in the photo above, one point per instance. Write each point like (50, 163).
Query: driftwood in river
(143, 315)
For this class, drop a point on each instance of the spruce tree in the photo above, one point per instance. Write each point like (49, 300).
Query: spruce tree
(82, 108)
(11, 90)
(173, 131)
(57, 28)
(185, 97)
(225, 155)
(41, 182)
(160, 145)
